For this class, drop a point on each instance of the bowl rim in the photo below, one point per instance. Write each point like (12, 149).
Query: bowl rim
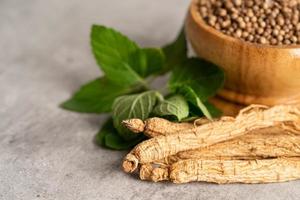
(201, 23)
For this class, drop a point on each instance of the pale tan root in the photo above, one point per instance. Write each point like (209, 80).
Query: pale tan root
(236, 171)
(159, 171)
(154, 173)
(266, 143)
(250, 119)
(154, 127)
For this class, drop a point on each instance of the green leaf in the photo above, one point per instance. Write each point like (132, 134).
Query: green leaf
(112, 51)
(197, 80)
(116, 142)
(147, 61)
(215, 112)
(133, 106)
(195, 111)
(193, 98)
(175, 106)
(106, 129)
(175, 52)
(114, 42)
(96, 96)
(109, 138)
(204, 78)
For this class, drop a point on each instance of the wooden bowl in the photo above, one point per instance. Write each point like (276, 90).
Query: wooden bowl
(255, 74)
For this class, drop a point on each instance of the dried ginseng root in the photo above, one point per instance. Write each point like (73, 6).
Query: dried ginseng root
(154, 127)
(236, 171)
(266, 143)
(159, 171)
(250, 119)
(151, 172)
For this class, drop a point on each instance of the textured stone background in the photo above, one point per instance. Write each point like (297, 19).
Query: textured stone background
(46, 152)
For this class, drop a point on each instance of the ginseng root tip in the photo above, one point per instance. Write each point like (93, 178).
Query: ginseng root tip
(134, 125)
(130, 164)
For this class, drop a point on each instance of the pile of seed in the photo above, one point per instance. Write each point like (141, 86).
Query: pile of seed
(274, 22)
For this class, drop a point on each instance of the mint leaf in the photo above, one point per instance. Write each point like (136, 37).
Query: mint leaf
(175, 106)
(175, 52)
(215, 112)
(133, 106)
(113, 42)
(197, 80)
(109, 138)
(204, 78)
(107, 128)
(112, 51)
(116, 142)
(147, 61)
(195, 111)
(96, 96)
(193, 98)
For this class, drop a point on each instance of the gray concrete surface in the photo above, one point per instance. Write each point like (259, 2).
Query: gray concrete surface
(46, 152)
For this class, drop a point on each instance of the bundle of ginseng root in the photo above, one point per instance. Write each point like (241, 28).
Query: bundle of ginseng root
(260, 145)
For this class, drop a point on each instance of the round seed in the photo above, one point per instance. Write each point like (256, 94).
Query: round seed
(274, 22)
(238, 33)
(237, 2)
(222, 12)
(262, 40)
